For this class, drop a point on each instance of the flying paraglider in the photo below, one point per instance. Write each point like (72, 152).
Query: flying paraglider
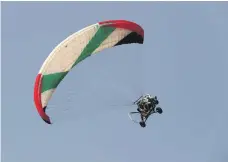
(75, 49)
(147, 105)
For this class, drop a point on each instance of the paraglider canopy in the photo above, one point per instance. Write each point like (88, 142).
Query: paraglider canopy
(76, 48)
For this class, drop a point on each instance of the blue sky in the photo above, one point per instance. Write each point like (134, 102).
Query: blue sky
(183, 61)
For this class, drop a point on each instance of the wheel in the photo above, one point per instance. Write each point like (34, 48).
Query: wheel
(159, 110)
(142, 124)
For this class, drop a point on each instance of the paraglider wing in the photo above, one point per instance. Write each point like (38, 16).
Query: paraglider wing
(76, 48)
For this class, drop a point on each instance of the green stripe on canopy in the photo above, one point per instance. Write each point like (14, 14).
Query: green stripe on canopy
(51, 81)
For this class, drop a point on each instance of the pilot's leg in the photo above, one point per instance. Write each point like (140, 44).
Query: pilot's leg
(147, 107)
